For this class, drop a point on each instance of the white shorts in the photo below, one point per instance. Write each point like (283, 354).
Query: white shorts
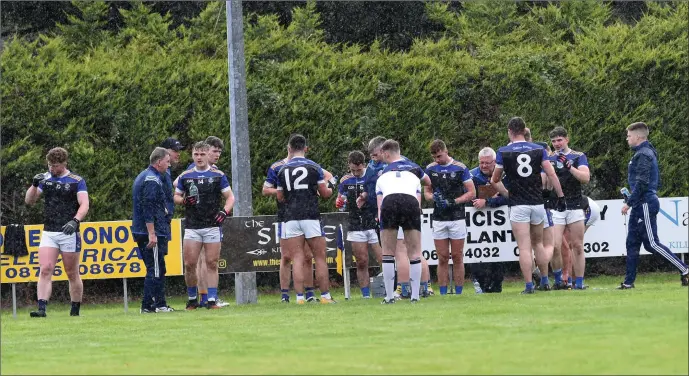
(568, 216)
(449, 230)
(533, 214)
(548, 219)
(593, 214)
(365, 236)
(65, 243)
(203, 235)
(310, 228)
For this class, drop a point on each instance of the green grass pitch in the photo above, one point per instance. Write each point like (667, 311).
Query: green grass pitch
(597, 331)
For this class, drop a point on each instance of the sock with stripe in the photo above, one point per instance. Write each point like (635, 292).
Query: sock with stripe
(544, 280)
(405, 288)
(309, 292)
(558, 276)
(579, 282)
(192, 292)
(389, 276)
(415, 278)
(366, 292)
(529, 285)
(443, 290)
(285, 294)
(212, 294)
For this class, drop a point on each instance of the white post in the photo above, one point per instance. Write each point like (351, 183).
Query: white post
(345, 270)
(14, 300)
(126, 295)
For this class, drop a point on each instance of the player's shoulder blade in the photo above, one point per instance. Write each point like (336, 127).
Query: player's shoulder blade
(217, 171)
(431, 165)
(278, 164)
(576, 153)
(186, 172)
(346, 177)
(75, 177)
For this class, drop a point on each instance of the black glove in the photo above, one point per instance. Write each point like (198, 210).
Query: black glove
(220, 217)
(190, 201)
(561, 205)
(70, 227)
(38, 179)
(566, 164)
(332, 183)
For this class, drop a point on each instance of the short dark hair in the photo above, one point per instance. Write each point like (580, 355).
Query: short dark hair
(516, 125)
(640, 127)
(390, 146)
(437, 146)
(356, 158)
(557, 132)
(215, 142)
(57, 155)
(201, 145)
(297, 142)
(375, 143)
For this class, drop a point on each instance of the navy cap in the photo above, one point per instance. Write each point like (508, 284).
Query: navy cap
(172, 143)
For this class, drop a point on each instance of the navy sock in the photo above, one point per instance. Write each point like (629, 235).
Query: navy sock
(544, 280)
(213, 293)
(42, 304)
(365, 291)
(405, 289)
(458, 290)
(204, 298)
(443, 290)
(579, 282)
(309, 292)
(285, 294)
(529, 285)
(569, 280)
(192, 292)
(558, 276)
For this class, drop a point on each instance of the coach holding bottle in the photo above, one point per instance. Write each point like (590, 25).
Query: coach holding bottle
(644, 179)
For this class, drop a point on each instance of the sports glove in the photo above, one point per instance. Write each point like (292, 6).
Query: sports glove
(190, 201)
(220, 217)
(561, 205)
(339, 203)
(70, 227)
(38, 179)
(440, 200)
(566, 164)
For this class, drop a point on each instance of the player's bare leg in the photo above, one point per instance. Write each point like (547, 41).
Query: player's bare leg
(412, 239)
(541, 254)
(402, 263)
(567, 262)
(285, 273)
(191, 252)
(557, 261)
(47, 258)
(388, 238)
(202, 276)
(360, 251)
(212, 251)
(377, 252)
(548, 251)
(576, 231)
(308, 272)
(458, 272)
(318, 248)
(522, 233)
(442, 248)
(295, 249)
(70, 261)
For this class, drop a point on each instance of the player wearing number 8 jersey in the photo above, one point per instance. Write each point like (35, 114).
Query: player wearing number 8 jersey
(66, 205)
(522, 163)
(300, 182)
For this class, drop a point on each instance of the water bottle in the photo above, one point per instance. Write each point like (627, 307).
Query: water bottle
(194, 191)
(477, 287)
(625, 193)
(344, 207)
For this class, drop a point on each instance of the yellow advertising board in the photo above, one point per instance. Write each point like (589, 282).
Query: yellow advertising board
(108, 250)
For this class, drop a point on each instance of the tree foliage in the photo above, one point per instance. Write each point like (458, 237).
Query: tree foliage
(110, 95)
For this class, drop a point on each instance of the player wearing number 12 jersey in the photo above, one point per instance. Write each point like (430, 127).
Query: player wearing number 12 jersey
(522, 163)
(300, 182)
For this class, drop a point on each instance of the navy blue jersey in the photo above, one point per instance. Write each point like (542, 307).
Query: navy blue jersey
(61, 204)
(571, 187)
(150, 203)
(521, 162)
(359, 219)
(449, 180)
(373, 171)
(208, 186)
(298, 180)
(272, 182)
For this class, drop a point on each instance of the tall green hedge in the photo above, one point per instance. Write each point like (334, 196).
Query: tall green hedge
(109, 98)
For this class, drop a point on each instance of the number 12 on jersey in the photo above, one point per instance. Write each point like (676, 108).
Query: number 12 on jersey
(300, 173)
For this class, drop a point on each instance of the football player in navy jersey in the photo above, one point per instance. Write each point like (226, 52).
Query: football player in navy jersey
(522, 163)
(300, 183)
(66, 205)
(362, 222)
(572, 170)
(200, 190)
(450, 190)
(399, 206)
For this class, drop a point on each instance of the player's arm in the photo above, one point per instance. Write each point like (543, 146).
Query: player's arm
(270, 185)
(83, 201)
(496, 181)
(324, 178)
(323, 189)
(150, 196)
(643, 166)
(581, 173)
(34, 190)
(552, 177)
(428, 192)
(229, 199)
(470, 193)
(178, 198)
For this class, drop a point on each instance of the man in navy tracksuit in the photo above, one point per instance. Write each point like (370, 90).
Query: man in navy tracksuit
(151, 228)
(644, 179)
